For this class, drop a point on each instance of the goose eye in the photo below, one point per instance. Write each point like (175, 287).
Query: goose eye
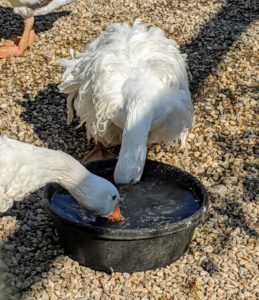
(114, 197)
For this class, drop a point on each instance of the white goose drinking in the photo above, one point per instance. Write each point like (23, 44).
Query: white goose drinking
(27, 9)
(129, 87)
(25, 168)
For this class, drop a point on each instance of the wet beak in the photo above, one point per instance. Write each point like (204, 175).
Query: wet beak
(116, 215)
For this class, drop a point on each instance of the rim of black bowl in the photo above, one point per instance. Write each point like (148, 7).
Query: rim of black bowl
(141, 233)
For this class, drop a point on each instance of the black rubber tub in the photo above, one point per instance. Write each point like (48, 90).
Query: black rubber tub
(161, 213)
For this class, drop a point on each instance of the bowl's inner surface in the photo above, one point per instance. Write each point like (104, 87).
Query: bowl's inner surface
(157, 200)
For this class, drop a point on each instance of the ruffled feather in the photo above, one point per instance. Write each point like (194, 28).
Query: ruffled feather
(96, 78)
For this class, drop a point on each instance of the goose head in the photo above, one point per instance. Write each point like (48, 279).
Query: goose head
(97, 194)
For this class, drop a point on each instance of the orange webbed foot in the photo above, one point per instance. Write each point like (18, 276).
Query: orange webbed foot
(20, 43)
(98, 153)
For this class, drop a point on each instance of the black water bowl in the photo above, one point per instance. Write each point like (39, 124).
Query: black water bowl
(161, 213)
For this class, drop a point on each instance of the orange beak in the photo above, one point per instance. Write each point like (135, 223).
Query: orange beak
(116, 215)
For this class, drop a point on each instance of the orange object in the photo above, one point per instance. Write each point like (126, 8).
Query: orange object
(17, 47)
(116, 215)
(99, 152)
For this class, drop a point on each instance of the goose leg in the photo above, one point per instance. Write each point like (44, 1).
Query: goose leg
(17, 47)
(98, 153)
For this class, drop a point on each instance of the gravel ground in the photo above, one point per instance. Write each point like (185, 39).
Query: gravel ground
(221, 39)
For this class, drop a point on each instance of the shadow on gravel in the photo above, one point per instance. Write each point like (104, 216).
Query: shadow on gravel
(251, 183)
(207, 48)
(30, 250)
(47, 112)
(236, 217)
(11, 25)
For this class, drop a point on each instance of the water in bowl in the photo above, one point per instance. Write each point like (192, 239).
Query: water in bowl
(152, 202)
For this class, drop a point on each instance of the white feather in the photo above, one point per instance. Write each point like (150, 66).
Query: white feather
(130, 78)
(25, 168)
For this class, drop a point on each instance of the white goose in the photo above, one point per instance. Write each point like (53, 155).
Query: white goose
(27, 9)
(130, 86)
(25, 168)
